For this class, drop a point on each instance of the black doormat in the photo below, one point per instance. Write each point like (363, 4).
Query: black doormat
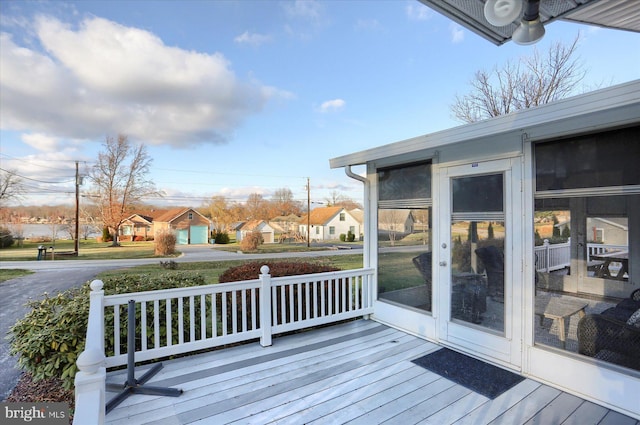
(474, 374)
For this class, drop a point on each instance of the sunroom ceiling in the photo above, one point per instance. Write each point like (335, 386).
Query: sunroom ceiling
(617, 14)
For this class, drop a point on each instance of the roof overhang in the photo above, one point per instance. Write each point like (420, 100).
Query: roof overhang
(610, 107)
(617, 14)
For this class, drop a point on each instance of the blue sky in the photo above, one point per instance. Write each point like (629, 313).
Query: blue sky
(240, 97)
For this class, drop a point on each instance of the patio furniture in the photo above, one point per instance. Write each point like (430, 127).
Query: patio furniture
(602, 270)
(493, 260)
(423, 263)
(609, 336)
(559, 309)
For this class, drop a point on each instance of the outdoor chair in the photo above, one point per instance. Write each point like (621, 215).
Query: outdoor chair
(493, 260)
(612, 335)
(423, 263)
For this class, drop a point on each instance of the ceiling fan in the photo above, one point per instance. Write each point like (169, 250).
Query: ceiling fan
(503, 12)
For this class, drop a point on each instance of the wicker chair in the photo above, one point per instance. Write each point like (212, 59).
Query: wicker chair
(607, 336)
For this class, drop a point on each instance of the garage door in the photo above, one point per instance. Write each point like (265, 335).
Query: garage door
(182, 236)
(199, 234)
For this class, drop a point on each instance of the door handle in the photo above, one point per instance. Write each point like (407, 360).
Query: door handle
(443, 263)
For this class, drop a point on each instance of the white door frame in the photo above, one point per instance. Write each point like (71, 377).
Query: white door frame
(505, 349)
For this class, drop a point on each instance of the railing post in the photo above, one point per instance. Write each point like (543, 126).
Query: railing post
(265, 306)
(91, 378)
(547, 255)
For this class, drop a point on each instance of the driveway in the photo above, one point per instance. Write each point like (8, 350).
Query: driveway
(57, 276)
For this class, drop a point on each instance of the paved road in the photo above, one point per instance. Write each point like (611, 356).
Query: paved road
(57, 276)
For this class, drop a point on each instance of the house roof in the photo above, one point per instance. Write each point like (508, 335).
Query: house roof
(616, 14)
(617, 105)
(170, 215)
(252, 225)
(321, 216)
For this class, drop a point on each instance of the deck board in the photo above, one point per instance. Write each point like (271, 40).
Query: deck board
(358, 372)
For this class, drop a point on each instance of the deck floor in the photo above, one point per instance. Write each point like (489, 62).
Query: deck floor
(358, 372)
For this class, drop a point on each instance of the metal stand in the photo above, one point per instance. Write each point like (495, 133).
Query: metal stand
(133, 385)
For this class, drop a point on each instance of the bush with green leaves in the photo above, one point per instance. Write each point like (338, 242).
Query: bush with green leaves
(6, 238)
(220, 237)
(49, 339)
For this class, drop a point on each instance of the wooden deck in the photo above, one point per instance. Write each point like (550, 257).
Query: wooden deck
(358, 373)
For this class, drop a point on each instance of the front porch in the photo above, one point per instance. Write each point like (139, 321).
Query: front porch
(354, 372)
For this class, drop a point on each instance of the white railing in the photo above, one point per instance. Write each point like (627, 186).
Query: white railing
(182, 320)
(550, 257)
(599, 249)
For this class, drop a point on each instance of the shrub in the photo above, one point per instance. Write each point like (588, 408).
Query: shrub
(165, 242)
(49, 339)
(6, 238)
(351, 236)
(343, 237)
(251, 241)
(251, 271)
(170, 265)
(220, 237)
(139, 238)
(106, 236)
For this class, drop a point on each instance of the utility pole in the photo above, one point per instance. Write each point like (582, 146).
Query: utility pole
(76, 248)
(308, 214)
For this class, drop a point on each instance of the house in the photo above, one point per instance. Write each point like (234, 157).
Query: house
(328, 223)
(190, 226)
(242, 229)
(285, 227)
(136, 227)
(577, 155)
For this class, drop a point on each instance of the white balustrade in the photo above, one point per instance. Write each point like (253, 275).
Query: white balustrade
(224, 313)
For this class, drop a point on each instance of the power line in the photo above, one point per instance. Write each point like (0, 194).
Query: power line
(36, 164)
(35, 180)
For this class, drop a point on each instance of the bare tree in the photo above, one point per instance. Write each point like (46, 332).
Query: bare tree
(120, 181)
(534, 80)
(220, 213)
(283, 203)
(11, 186)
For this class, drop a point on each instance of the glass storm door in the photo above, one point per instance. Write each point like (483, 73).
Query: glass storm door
(476, 259)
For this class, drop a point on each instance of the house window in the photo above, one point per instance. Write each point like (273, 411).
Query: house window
(332, 230)
(342, 216)
(404, 220)
(317, 230)
(587, 244)
(190, 216)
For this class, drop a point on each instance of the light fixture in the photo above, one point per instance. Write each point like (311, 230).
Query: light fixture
(502, 12)
(530, 29)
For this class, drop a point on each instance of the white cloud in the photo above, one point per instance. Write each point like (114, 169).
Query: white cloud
(332, 105)
(106, 78)
(418, 11)
(457, 33)
(308, 9)
(42, 142)
(253, 39)
(368, 25)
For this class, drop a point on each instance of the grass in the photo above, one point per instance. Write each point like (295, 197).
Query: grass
(211, 270)
(12, 274)
(88, 250)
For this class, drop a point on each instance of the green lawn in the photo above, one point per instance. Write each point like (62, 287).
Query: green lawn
(88, 250)
(13, 273)
(211, 270)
